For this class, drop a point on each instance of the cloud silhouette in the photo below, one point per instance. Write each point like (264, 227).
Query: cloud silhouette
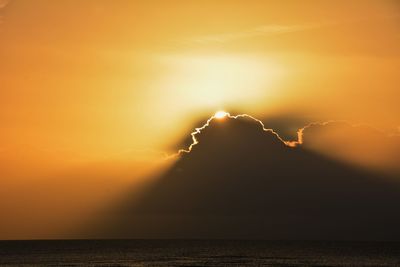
(239, 180)
(359, 144)
(214, 119)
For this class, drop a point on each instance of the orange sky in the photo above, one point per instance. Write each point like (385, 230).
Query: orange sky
(87, 82)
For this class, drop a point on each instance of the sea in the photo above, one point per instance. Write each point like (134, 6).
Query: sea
(197, 253)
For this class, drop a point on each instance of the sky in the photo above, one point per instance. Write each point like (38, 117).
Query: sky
(95, 94)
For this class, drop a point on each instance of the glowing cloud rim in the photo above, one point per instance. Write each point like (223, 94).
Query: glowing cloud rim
(218, 116)
(221, 115)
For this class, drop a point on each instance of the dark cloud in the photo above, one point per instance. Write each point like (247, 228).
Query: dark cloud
(242, 181)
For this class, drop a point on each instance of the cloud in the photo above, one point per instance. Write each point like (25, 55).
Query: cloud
(198, 131)
(240, 180)
(355, 143)
(353, 35)
(264, 30)
(4, 3)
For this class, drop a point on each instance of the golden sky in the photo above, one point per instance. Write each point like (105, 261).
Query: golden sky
(118, 83)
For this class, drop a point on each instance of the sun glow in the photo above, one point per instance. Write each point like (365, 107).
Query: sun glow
(211, 81)
(220, 114)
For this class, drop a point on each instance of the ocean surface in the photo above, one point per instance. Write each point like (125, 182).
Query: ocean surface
(197, 253)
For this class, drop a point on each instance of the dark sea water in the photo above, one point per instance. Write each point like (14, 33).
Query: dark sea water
(197, 253)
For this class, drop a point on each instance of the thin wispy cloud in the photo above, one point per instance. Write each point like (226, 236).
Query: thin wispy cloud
(3, 4)
(278, 29)
(264, 30)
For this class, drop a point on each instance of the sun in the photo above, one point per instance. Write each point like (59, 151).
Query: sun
(220, 114)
